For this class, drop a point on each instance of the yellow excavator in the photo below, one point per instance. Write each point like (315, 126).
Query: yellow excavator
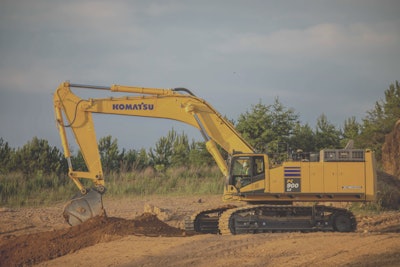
(272, 192)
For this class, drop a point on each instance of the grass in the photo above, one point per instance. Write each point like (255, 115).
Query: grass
(17, 190)
(175, 181)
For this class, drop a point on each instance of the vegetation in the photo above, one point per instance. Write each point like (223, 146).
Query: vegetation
(36, 173)
(380, 120)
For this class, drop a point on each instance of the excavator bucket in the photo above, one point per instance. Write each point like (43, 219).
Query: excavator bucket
(83, 207)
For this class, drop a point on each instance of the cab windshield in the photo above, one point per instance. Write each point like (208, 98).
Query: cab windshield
(246, 169)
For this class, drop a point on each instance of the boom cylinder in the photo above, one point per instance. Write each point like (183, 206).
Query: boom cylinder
(141, 90)
(213, 150)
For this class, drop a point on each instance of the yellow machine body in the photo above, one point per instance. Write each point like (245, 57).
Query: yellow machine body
(346, 176)
(333, 175)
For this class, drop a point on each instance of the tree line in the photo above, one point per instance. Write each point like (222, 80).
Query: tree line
(269, 129)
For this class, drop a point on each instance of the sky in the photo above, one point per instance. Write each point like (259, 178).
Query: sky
(317, 57)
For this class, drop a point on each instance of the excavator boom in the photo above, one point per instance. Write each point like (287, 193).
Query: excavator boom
(75, 113)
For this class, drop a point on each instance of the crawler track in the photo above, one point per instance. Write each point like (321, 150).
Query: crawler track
(271, 218)
(206, 221)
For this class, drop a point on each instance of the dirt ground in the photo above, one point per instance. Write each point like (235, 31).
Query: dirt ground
(132, 236)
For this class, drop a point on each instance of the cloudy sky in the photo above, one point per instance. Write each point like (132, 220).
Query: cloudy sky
(331, 57)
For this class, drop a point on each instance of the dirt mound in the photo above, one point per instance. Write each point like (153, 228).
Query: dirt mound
(35, 248)
(391, 151)
(387, 222)
(388, 194)
(389, 182)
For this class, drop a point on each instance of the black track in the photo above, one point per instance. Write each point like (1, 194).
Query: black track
(271, 218)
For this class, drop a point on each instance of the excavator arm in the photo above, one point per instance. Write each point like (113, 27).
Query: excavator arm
(177, 104)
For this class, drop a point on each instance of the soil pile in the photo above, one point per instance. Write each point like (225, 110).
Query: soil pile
(389, 182)
(391, 151)
(387, 222)
(35, 248)
(388, 194)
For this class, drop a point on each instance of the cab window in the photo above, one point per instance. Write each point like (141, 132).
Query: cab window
(259, 165)
(241, 166)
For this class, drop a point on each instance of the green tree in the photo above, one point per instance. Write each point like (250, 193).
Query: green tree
(303, 138)
(128, 160)
(326, 134)
(199, 155)
(112, 159)
(78, 162)
(254, 125)
(175, 150)
(6, 154)
(380, 120)
(391, 105)
(181, 150)
(161, 155)
(109, 154)
(38, 156)
(264, 127)
(142, 160)
(351, 130)
(134, 160)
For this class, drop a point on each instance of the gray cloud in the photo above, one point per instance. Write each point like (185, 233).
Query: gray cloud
(332, 57)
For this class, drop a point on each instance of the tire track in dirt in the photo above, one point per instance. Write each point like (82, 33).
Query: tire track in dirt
(275, 249)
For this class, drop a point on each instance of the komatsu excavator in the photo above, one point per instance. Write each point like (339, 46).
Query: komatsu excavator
(272, 192)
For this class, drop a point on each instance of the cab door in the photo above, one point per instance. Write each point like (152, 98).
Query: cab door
(248, 173)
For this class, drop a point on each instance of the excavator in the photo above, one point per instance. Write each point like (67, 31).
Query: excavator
(274, 196)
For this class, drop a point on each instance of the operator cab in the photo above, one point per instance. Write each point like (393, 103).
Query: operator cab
(246, 169)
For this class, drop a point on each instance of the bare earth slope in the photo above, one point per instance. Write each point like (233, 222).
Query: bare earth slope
(131, 236)
(391, 151)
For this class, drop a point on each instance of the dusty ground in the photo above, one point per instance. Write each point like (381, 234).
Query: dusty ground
(132, 237)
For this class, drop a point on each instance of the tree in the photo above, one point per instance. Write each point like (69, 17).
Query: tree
(351, 130)
(199, 155)
(266, 126)
(5, 156)
(142, 160)
(181, 150)
(175, 150)
(128, 160)
(380, 120)
(326, 134)
(254, 126)
(161, 155)
(109, 154)
(38, 156)
(303, 138)
(134, 160)
(78, 162)
(391, 105)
